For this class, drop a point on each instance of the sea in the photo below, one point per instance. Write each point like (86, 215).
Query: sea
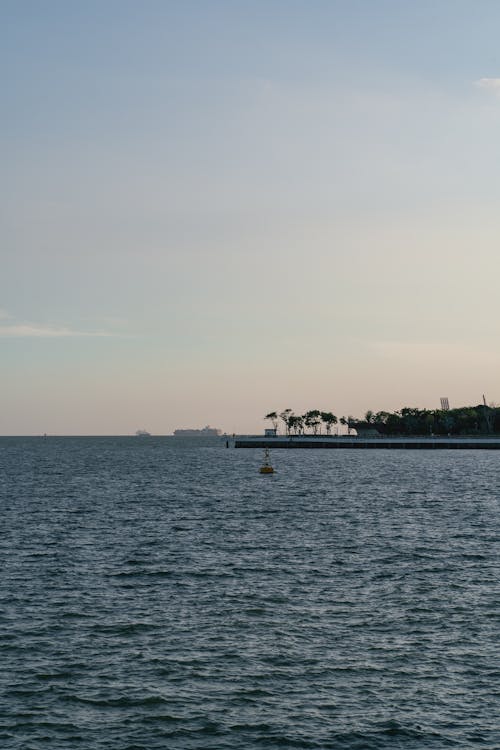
(159, 593)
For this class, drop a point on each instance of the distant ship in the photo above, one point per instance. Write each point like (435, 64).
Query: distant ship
(204, 432)
(143, 433)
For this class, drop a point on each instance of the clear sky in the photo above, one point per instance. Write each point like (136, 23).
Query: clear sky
(211, 210)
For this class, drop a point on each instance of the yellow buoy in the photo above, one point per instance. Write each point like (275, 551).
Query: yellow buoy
(266, 467)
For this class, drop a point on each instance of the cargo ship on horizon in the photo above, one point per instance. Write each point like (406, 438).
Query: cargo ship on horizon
(204, 432)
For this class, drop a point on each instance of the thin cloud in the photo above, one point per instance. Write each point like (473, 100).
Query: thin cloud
(491, 84)
(37, 331)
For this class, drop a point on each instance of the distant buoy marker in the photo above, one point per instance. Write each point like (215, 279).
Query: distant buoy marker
(266, 467)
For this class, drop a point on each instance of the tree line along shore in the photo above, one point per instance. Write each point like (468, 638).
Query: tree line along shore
(465, 420)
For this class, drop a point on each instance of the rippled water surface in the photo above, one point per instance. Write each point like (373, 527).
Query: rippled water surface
(160, 593)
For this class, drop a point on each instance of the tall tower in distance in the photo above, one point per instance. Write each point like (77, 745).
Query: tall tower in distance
(445, 404)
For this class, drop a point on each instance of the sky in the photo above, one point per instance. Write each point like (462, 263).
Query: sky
(214, 210)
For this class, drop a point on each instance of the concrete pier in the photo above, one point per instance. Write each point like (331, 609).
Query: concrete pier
(392, 443)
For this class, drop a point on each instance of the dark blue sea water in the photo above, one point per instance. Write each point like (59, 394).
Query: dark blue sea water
(160, 593)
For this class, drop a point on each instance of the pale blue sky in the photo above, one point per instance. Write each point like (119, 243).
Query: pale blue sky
(215, 209)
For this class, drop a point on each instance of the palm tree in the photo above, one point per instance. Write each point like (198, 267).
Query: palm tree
(296, 424)
(313, 419)
(285, 416)
(273, 417)
(329, 419)
(343, 422)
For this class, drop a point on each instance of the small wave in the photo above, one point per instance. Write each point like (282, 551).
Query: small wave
(122, 702)
(274, 740)
(124, 628)
(247, 727)
(391, 733)
(252, 693)
(36, 723)
(139, 574)
(76, 616)
(54, 675)
(134, 561)
(161, 719)
(208, 728)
